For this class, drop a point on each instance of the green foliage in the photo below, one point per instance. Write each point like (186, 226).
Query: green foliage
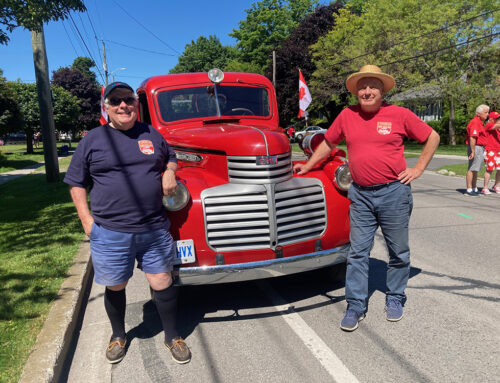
(83, 64)
(267, 24)
(204, 54)
(39, 236)
(440, 42)
(65, 107)
(10, 114)
(31, 14)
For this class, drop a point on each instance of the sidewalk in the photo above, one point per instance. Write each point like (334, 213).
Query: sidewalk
(7, 176)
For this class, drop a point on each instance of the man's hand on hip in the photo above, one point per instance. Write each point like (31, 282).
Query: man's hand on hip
(409, 174)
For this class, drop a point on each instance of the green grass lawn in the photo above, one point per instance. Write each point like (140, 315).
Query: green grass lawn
(39, 235)
(461, 170)
(14, 156)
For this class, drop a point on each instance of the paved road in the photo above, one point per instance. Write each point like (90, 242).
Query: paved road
(286, 329)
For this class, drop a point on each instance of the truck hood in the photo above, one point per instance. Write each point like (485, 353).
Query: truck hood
(230, 138)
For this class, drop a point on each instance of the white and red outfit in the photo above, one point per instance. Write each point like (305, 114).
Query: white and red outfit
(492, 148)
(375, 141)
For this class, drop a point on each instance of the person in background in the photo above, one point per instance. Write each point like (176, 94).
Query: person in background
(475, 140)
(128, 167)
(380, 194)
(492, 152)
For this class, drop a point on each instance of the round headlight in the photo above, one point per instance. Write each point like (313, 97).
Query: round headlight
(311, 142)
(343, 177)
(215, 75)
(178, 200)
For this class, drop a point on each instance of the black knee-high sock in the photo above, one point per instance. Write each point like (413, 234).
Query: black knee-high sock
(115, 303)
(166, 303)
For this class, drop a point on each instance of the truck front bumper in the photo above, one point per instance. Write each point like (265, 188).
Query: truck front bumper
(240, 272)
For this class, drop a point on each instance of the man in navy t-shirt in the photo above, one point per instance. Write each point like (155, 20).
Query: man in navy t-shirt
(128, 166)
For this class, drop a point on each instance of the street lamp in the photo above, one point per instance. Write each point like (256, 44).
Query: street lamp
(112, 73)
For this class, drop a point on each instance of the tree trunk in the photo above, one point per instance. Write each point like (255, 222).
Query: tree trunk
(451, 125)
(29, 141)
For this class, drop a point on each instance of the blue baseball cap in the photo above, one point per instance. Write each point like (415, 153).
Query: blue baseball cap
(115, 85)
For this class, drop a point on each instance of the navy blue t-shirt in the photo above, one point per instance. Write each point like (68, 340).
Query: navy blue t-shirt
(123, 171)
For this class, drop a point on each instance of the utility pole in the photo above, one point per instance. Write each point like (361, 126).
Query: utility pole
(104, 64)
(45, 102)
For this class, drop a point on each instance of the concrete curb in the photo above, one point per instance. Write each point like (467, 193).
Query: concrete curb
(52, 345)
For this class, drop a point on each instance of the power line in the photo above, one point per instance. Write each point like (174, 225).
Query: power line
(420, 36)
(95, 36)
(90, 54)
(139, 49)
(138, 22)
(430, 52)
(67, 34)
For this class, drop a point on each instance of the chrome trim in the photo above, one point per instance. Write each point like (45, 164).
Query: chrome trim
(240, 272)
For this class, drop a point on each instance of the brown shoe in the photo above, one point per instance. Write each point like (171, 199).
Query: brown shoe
(116, 349)
(179, 349)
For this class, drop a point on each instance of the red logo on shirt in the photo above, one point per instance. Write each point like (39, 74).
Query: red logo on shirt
(146, 147)
(384, 127)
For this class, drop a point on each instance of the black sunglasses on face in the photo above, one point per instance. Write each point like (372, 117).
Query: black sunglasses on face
(115, 101)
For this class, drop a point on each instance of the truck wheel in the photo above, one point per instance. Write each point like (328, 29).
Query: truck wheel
(299, 137)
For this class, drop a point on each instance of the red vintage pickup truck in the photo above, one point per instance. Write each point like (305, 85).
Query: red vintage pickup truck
(240, 213)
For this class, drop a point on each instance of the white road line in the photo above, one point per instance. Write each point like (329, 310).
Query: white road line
(324, 354)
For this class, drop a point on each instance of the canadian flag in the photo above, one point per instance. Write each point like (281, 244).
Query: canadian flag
(104, 115)
(304, 95)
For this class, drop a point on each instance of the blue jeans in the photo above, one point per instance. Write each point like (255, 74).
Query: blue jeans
(390, 208)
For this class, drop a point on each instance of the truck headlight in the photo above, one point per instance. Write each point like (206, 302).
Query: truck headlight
(310, 143)
(178, 200)
(343, 177)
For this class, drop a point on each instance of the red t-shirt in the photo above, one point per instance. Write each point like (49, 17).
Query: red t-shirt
(493, 137)
(375, 141)
(475, 128)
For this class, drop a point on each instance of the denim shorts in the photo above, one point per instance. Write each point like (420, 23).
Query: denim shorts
(114, 253)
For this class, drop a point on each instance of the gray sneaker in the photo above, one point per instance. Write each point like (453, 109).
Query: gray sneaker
(393, 309)
(471, 193)
(179, 350)
(116, 349)
(351, 320)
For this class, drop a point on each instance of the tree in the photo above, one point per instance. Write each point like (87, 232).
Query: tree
(85, 91)
(66, 109)
(31, 14)
(10, 114)
(434, 42)
(267, 24)
(83, 64)
(294, 54)
(204, 54)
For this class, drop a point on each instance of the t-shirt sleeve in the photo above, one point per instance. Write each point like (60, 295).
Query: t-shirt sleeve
(335, 134)
(78, 171)
(415, 128)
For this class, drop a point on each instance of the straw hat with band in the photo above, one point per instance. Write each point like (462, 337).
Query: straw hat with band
(369, 71)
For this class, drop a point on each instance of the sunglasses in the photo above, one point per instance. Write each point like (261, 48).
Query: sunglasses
(115, 101)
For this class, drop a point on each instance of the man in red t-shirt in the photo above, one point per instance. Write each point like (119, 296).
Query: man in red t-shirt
(475, 140)
(380, 194)
(492, 152)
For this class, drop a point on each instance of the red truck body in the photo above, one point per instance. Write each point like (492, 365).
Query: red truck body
(248, 216)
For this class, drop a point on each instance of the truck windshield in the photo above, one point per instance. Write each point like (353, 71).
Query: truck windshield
(181, 104)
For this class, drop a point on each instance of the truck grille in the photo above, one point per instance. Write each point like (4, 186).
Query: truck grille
(248, 217)
(244, 170)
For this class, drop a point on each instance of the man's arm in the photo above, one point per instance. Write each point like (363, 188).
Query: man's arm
(430, 146)
(322, 151)
(168, 182)
(472, 145)
(79, 196)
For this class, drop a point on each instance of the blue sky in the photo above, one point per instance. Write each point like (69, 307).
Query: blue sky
(174, 23)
